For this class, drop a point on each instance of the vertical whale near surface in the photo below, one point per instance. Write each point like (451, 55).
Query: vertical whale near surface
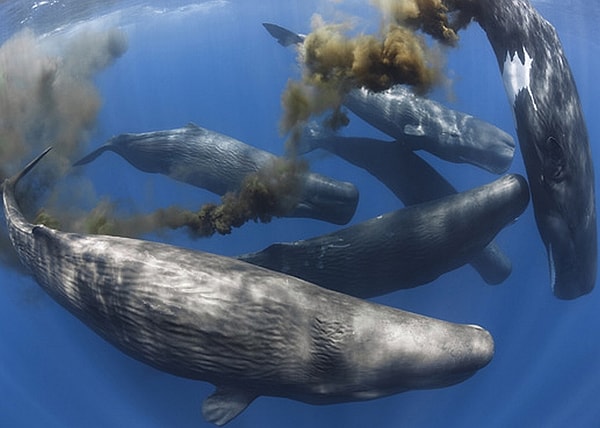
(248, 330)
(552, 136)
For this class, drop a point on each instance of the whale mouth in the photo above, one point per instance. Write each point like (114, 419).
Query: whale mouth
(572, 270)
(552, 266)
(339, 214)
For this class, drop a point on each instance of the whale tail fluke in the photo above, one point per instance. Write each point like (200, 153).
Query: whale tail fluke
(16, 222)
(12, 181)
(284, 37)
(92, 156)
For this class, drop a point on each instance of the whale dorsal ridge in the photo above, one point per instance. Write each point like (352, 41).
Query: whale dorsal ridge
(225, 404)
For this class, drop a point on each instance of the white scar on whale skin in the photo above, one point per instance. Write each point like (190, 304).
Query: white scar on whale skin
(517, 76)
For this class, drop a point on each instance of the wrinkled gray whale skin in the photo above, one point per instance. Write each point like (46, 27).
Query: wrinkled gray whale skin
(404, 248)
(409, 177)
(423, 124)
(219, 163)
(552, 136)
(249, 331)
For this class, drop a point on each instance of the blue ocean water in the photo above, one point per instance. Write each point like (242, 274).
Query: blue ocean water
(212, 63)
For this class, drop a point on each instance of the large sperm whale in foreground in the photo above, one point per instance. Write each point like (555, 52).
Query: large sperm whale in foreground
(409, 177)
(248, 330)
(423, 124)
(219, 163)
(404, 248)
(552, 136)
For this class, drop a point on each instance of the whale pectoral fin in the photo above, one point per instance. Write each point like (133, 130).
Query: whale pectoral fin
(225, 404)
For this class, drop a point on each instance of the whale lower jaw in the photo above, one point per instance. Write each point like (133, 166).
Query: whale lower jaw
(552, 266)
(569, 279)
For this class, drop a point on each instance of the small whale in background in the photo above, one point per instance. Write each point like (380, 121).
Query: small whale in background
(248, 330)
(423, 124)
(409, 177)
(404, 248)
(219, 163)
(552, 136)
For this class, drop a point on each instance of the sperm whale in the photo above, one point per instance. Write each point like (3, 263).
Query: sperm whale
(409, 177)
(424, 124)
(219, 163)
(405, 248)
(248, 330)
(552, 136)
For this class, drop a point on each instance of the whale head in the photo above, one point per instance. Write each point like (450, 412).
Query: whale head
(553, 139)
(326, 199)
(459, 352)
(482, 143)
(419, 352)
(556, 151)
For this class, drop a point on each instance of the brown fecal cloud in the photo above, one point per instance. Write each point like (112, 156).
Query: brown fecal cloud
(273, 191)
(428, 16)
(47, 97)
(333, 63)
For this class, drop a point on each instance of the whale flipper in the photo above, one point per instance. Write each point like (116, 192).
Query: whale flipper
(284, 37)
(225, 404)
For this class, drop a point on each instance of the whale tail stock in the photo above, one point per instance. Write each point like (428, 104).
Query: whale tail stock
(92, 156)
(12, 212)
(111, 145)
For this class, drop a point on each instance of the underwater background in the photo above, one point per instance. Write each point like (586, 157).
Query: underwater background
(212, 63)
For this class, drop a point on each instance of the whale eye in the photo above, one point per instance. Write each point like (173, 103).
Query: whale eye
(554, 160)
